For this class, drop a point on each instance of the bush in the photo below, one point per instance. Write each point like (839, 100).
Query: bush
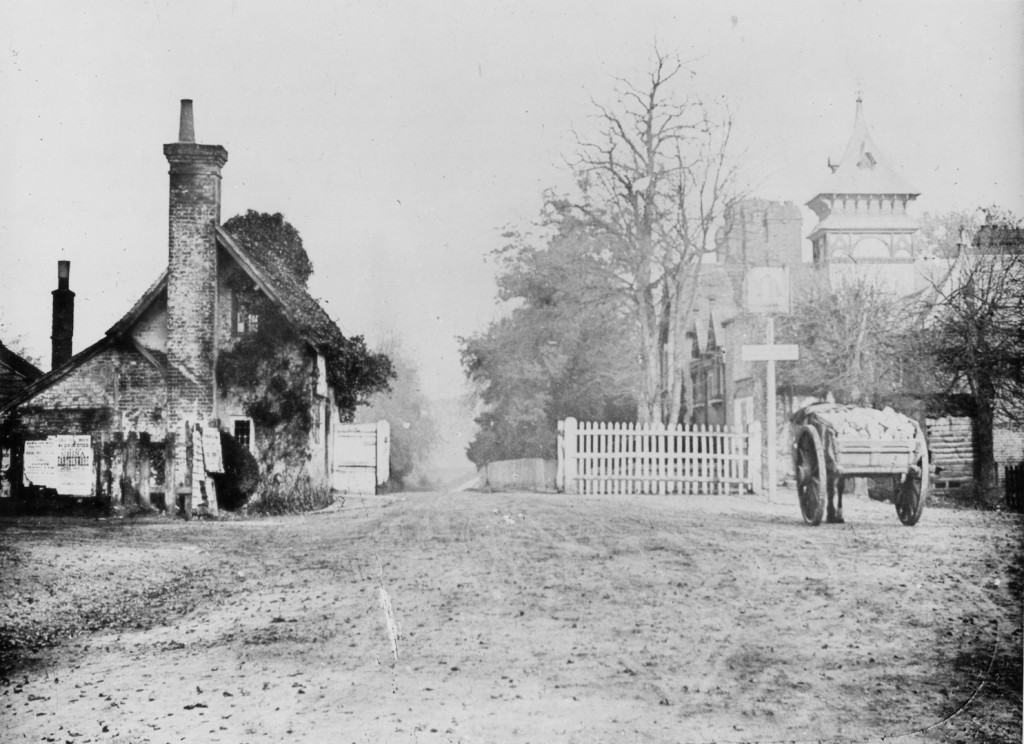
(241, 475)
(278, 495)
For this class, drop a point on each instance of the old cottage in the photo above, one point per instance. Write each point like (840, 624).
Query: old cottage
(129, 416)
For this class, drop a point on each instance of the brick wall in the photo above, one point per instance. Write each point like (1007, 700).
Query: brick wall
(117, 389)
(192, 260)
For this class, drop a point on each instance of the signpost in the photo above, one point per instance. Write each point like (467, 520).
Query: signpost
(767, 292)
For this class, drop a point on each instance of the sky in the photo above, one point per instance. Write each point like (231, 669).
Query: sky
(401, 138)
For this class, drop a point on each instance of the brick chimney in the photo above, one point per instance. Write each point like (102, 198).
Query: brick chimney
(63, 322)
(192, 257)
(191, 283)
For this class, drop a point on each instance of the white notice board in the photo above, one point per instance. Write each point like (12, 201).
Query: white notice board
(63, 462)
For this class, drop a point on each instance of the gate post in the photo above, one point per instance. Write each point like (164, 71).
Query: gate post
(569, 466)
(560, 456)
(383, 452)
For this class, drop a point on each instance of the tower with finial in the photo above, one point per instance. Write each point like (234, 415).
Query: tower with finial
(864, 230)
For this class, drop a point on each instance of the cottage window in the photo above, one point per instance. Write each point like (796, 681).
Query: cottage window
(244, 434)
(244, 320)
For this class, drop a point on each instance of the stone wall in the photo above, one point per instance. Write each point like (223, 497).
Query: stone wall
(762, 233)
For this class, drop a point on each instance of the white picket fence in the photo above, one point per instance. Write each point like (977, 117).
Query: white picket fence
(598, 458)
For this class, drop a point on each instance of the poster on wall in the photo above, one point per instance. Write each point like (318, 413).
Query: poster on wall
(74, 474)
(39, 465)
(63, 462)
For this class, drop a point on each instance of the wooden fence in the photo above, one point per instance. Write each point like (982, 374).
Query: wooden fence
(597, 458)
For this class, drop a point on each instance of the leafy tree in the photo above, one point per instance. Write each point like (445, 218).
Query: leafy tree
(653, 187)
(406, 408)
(853, 342)
(561, 352)
(974, 334)
(17, 343)
(356, 373)
(272, 239)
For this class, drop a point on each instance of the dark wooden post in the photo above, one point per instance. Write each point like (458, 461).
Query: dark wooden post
(131, 468)
(145, 447)
(117, 470)
(170, 493)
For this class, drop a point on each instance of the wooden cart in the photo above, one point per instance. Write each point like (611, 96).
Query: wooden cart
(827, 450)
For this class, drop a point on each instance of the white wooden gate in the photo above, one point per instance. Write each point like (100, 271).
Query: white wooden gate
(361, 457)
(595, 457)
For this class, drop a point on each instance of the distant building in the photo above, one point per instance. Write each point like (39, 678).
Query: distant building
(760, 241)
(864, 230)
(864, 233)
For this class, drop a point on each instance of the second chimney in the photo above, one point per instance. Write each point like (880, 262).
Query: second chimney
(63, 327)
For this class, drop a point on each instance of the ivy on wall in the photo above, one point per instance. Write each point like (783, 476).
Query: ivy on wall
(273, 380)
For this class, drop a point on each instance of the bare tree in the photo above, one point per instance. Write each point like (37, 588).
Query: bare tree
(974, 335)
(853, 341)
(653, 188)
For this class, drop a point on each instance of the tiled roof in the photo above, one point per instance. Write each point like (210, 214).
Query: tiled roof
(57, 373)
(309, 319)
(863, 169)
(18, 364)
(305, 314)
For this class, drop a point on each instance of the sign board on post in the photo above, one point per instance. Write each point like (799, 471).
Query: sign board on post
(770, 352)
(212, 455)
(766, 289)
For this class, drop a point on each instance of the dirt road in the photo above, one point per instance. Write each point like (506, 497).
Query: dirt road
(521, 618)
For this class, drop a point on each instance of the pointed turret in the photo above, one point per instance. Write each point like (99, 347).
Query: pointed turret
(863, 169)
(862, 212)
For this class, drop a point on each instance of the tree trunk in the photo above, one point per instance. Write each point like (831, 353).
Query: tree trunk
(648, 400)
(984, 445)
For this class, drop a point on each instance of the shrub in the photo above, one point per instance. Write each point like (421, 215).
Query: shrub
(279, 495)
(241, 475)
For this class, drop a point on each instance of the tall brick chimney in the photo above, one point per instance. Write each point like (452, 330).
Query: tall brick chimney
(192, 279)
(192, 256)
(63, 322)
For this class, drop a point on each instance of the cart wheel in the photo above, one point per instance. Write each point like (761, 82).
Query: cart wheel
(810, 476)
(912, 493)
